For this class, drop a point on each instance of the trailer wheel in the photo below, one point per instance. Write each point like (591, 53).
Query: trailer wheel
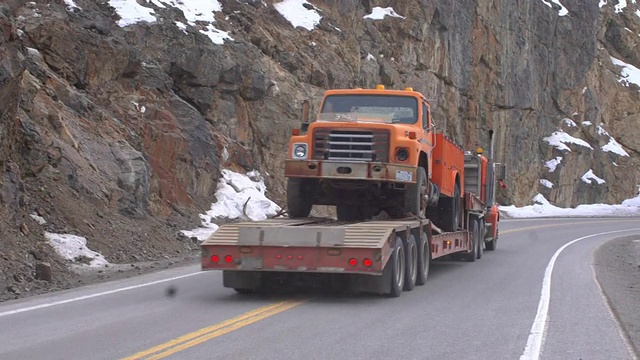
(479, 237)
(299, 198)
(411, 263)
(397, 268)
(415, 197)
(491, 245)
(424, 259)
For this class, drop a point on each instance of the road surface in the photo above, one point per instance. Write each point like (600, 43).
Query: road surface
(499, 307)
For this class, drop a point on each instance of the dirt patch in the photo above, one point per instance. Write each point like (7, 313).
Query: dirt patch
(617, 265)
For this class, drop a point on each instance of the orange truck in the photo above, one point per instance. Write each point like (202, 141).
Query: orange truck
(369, 150)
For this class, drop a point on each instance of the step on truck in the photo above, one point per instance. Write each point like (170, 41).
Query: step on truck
(369, 151)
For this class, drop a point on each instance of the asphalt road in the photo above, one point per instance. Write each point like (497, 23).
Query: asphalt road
(499, 307)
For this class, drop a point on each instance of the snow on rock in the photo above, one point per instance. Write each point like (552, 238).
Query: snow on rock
(546, 183)
(74, 248)
(239, 197)
(553, 163)
(39, 219)
(297, 14)
(194, 10)
(131, 12)
(602, 3)
(560, 138)
(542, 208)
(589, 176)
(378, 13)
(71, 5)
(569, 122)
(614, 147)
(563, 10)
(621, 5)
(629, 74)
(586, 123)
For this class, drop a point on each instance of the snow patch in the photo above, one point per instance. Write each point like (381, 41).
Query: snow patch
(74, 248)
(589, 176)
(39, 219)
(297, 14)
(370, 57)
(553, 163)
(602, 3)
(239, 196)
(563, 10)
(71, 5)
(569, 122)
(131, 12)
(629, 74)
(587, 123)
(546, 183)
(378, 13)
(621, 5)
(559, 138)
(614, 147)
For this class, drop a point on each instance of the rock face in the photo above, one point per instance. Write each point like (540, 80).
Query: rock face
(117, 130)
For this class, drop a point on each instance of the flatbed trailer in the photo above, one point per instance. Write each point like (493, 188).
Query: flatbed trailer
(376, 256)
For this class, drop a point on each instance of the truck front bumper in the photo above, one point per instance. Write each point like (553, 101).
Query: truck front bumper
(327, 169)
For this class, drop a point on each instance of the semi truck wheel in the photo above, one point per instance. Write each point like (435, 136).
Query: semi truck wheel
(491, 245)
(424, 259)
(397, 268)
(480, 237)
(411, 263)
(415, 197)
(473, 229)
(299, 198)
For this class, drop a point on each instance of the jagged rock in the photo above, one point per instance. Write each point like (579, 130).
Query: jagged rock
(43, 271)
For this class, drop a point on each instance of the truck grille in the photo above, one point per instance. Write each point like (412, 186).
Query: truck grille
(351, 145)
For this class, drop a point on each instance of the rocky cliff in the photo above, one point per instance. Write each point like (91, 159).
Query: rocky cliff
(116, 117)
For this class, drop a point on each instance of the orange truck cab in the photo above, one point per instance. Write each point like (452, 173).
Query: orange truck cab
(370, 150)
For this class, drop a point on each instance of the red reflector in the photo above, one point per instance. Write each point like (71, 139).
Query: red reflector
(295, 132)
(215, 258)
(299, 257)
(412, 135)
(278, 256)
(289, 257)
(353, 262)
(367, 262)
(228, 259)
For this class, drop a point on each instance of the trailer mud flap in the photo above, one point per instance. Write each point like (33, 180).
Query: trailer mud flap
(241, 279)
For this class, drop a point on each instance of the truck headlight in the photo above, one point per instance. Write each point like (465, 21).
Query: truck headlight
(402, 154)
(300, 151)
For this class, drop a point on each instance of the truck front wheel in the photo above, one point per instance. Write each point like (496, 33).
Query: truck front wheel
(299, 198)
(415, 199)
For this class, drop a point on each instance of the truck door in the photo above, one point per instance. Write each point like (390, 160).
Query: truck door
(427, 134)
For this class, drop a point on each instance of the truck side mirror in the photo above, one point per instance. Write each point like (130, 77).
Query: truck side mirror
(501, 171)
(304, 127)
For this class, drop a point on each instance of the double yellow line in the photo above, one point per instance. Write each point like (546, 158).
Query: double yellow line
(211, 332)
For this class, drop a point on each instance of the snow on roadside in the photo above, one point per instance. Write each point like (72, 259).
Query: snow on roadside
(74, 248)
(240, 196)
(542, 208)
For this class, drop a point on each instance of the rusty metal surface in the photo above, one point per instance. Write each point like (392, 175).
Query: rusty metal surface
(310, 233)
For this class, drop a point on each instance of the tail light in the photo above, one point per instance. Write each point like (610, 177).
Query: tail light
(228, 259)
(215, 259)
(367, 262)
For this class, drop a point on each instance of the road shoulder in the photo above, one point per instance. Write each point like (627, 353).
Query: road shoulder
(617, 267)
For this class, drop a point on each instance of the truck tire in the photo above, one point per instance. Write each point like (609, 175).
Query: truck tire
(424, 259)
(397, 268)
(411, 263)
(480, 237)
(415, 196)
(491, 245)
(299, 198)
(452, 217)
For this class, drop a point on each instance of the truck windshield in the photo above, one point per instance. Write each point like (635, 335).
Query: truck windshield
(386, 108)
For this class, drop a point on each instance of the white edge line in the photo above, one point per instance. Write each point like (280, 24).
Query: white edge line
(80, 298)
(538, 329)
(607, 304)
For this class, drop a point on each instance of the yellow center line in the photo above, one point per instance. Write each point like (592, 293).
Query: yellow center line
(244, 319)
(211, 332)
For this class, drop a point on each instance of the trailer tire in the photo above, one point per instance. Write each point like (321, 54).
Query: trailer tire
(424, 259)
(415, 196)
(299, 198)
(411, 263)
(397, 269)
